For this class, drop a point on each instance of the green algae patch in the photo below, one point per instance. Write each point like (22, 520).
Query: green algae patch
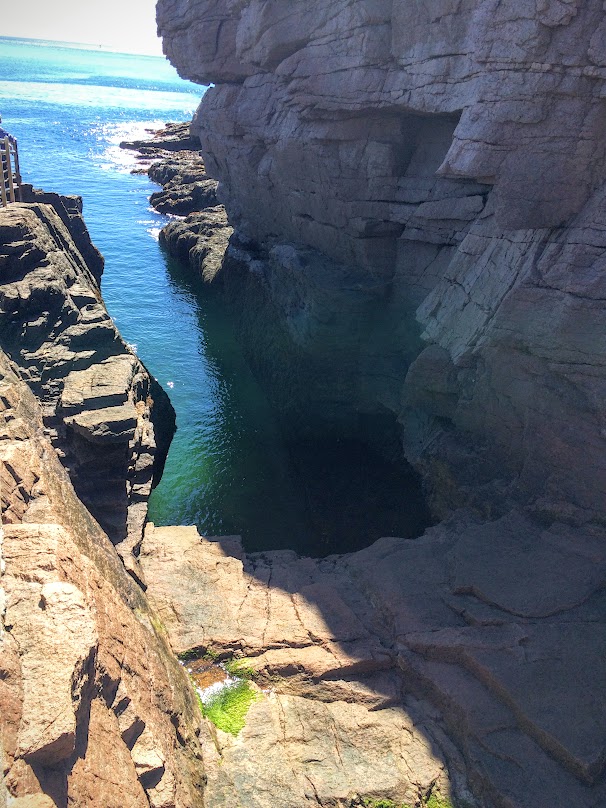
(228, 708)
(224, 689)
(189, 655)
(239, 667)
(436, 800)
(432, 800)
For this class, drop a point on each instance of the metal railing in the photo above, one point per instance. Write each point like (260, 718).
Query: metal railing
(10, 181)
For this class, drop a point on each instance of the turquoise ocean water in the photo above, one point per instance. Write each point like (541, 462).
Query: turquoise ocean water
(228, 471)
(69, 108)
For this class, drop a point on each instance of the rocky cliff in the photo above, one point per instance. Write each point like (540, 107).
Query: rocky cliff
(418, 196)
(94, 707)
(107, 417)
(417, 191)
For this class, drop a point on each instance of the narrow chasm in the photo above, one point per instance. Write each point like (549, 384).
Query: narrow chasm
(295, 411)
(259, 457)
(354, 494)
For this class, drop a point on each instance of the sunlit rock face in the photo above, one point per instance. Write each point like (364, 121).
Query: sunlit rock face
(374, 662)
(524, 82)
(94, 707)
(107, 417)
(425, 183)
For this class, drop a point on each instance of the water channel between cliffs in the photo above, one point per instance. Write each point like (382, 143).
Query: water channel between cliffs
(232, 468)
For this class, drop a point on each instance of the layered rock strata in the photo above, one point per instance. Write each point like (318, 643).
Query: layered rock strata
(69, 210)
(383, 666)
(418, 197)
(110, 422)
(199, 231)
(431, 178)
(94, 708)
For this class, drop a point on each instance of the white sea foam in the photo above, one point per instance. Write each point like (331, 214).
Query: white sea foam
(208, 693)
(109, 136)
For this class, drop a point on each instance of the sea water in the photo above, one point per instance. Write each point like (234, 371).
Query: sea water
(229, 469)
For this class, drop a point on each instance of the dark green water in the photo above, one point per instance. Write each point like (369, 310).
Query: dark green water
(228, 470)
(231, 469)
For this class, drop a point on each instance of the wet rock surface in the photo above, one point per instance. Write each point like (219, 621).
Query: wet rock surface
(173, 137)
(109, 420)
(94, 708)
(403, 641)
(200, 239)
(199, 232)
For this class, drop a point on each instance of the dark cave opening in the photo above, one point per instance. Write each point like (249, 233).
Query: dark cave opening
(278, 451)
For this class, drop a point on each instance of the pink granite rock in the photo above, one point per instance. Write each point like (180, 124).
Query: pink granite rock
(94, 707)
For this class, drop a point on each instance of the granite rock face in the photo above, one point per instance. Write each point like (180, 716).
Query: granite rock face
(110, 422)
(469, 657)
(329, 728)
(418, 196)
(442, 164)
(69, 210)
(94, 708)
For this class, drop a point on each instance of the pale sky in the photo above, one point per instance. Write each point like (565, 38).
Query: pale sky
(123, 25)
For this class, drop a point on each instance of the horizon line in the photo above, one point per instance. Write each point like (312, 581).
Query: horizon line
(86, 46)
